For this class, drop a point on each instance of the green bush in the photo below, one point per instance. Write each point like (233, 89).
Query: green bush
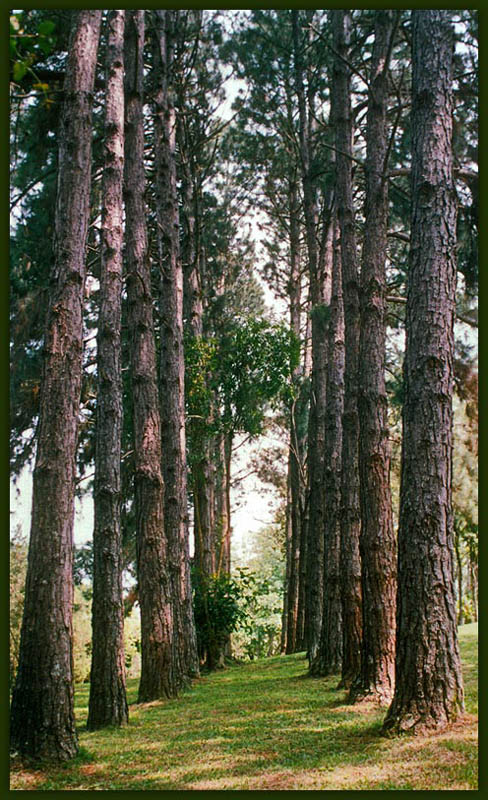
(218, 611)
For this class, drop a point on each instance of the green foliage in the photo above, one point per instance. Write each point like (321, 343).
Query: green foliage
(262, 575)
(256, 359)
(217, 609)
(200, 364)
(258, 635)
(29, 45)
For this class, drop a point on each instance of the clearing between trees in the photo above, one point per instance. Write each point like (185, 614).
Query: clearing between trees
(265, 725)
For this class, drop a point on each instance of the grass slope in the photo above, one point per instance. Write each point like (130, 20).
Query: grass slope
(265, 725)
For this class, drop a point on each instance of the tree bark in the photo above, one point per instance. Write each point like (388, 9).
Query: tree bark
(172, 362)
(157, 668)
(42, 724)
(313, 553)
(429, 688)
(377, 539)
(459, 565)
(107, 702)
(295, 454)
(328, 659)
(350, 511)
(223, 542)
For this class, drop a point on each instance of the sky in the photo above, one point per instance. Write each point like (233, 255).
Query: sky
(253, 506)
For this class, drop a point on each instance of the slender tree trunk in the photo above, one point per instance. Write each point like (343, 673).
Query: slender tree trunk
(377, 540)
(42, 724)
(296, 446)
(204, 509)
(473, 574)
(429, 687)
(157, 669)
(313, 554)
(328, 659)
(288, 537)
(202, 471)
(172, 363)
(459, 564)
(108, 703)
(224, 542)
(222, 495)
(293, 586)
(350, 513)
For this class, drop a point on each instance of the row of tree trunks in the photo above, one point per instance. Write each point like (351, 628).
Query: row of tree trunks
(428, 680)
(42, 715)
(172, 364)
(377, 539)
(350, 564)
(158, 670)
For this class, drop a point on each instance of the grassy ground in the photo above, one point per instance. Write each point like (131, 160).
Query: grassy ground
(266, 726)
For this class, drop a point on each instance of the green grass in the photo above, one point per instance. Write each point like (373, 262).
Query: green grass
(265, 726)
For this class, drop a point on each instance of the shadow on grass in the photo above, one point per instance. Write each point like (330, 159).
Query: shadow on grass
(258, 726)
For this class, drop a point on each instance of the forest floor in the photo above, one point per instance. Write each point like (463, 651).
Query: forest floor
(266, 725)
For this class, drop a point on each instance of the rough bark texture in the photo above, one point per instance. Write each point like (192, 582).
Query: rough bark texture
(157, 673)
(172, 362)
(42, 718)
(328, 659)
(429, 689)
(350, 511)
(312, 555)
(108, 703)
(377, 540)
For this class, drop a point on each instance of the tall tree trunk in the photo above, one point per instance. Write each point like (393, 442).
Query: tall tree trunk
(350, 513)
(429, 687)
(42, 724)
(157, 669)
(377, 540)
(108, 704)
(295, 449)
(312, 555)
(172, 363)
(202, 471)
(328, 659)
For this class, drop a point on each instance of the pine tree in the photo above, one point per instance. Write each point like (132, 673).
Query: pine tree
(107, 702)
(328, 659)
(172, 362)
(350, 515)
(428, 680)
(155, 598)
(42, 717)
(377, 541)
